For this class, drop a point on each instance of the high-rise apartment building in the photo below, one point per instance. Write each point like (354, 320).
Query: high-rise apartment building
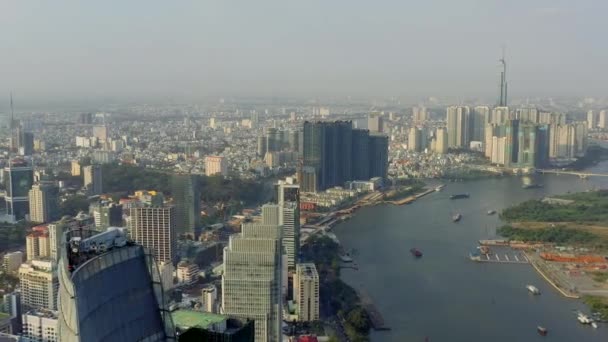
(419, 115)
(11, 261)
(43, 202)
(94, 307)
(457, 118)
(375, 123)
(101, 132)
(39, 284)
(75, 168)
(441, 142)
(499, 115)
(93, 179)
(37, 245)
(18, 180)
(360, 149)
(480, 117)
(154, 228)
(414, 141)
(185, 189)
(40, 325)
(215, 165)
(306, 292)
(591, 120)
(251, 283)
(602, 121)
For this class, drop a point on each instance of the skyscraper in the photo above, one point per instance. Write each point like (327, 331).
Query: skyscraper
(251, 283)
(39, 284)
(457, 118)
(185, 189)
(499, 115)
(306, 292)
(378, 156)
(361, 154)
(502, 101)
(375, 123)
(479, 119)
(93, 179)
(93, 308)
(289, 220)
(414, 141)
(43, 201)
(18, 180)
(591, 121)
(441, 144)
(273, 140)
(603, 119)
(154, 228)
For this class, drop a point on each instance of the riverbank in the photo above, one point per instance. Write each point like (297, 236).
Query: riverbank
(535, 263)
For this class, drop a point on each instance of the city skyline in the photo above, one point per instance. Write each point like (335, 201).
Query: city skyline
(192, 50)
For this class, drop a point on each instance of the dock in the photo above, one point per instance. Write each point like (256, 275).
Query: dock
(375, 316)
(412, 198)
(502, 254)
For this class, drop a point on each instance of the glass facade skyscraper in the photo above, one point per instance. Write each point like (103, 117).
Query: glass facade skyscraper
(185, 190)
(18, 180)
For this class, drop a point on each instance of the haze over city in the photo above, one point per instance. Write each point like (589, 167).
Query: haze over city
(188, 50)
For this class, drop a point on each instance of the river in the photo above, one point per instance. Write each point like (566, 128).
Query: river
(444, 296)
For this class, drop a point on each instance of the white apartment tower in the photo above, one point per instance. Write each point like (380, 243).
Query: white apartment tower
(39, 285)
(306, 292)
(251, 283)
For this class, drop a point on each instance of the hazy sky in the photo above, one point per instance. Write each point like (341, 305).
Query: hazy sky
(74, 49)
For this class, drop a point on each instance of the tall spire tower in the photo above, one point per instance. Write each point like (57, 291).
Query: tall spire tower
(503, 81)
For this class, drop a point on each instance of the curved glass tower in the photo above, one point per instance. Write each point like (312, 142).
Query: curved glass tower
(109, 292)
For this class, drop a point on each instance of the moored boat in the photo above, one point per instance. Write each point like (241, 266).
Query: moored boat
(533, 289)
(491, 212)
(416, 252)
(459, 196)
(541, 330)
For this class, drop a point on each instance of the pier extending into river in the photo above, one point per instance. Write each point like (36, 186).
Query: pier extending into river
(501, 254)
(375, 316)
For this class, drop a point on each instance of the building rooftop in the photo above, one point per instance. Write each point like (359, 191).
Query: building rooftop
(188, 319)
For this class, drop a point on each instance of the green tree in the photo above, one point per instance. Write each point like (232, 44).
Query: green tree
(74, 204)
(359, 319)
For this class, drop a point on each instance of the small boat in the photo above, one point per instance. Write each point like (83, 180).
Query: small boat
(532, 186)
(491, 212)
(542, 331)
(583, 319)
(438, 188)
(456, 217)
(459, 196)
(416, 252)
(533, 289)
(594, 325)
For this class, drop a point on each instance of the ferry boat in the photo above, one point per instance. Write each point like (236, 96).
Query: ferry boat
(491, 212)
(542, 331)
(456, 217)
(533, 289)
(416, 252)
(459, 196)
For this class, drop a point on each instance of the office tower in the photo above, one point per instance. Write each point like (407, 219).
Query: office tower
(419, 115)
(38, 282)
(499, 115)
(187, 272)
(261, 146)
(502, 101)
(40, 325)
(527, 146)
(11, 261)
(479, 119)
(110, 294)
(441, 142)
(306, 292)
(294, 140)
(106, 214)
(603, 119)
(591, 121)
(361, 154)
(93, 179)
(185, 189)
(378, 156)
(414, 141)
(273, 140)
(216, 165)
(457, 118)
(288, 199)
(375, 123)
(18, 180)
(251, 283)
(511, 142)
(26, 144)
(43, 200)
(101, 132)
(154, 228)
(75, 168)
(542, 146)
